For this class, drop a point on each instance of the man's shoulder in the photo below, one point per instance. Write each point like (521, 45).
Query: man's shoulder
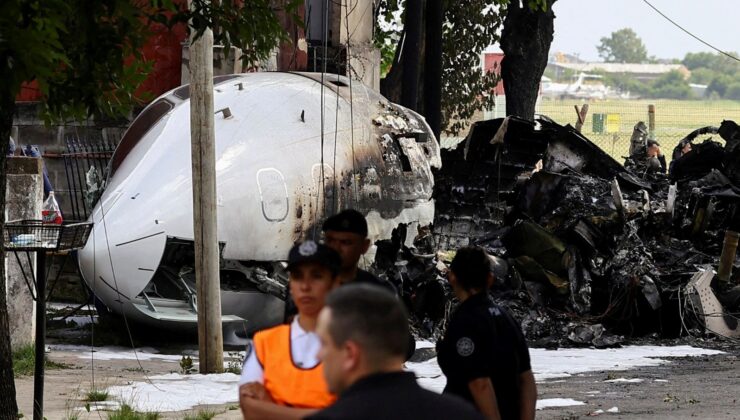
(369, 278)
(405, 403)
(364, 276)
(449, 404)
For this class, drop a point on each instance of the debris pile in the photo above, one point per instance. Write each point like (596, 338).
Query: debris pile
(586, 249)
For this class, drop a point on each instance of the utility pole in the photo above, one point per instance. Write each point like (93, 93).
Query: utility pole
(203, 148)
(433, 67)
(411, 53)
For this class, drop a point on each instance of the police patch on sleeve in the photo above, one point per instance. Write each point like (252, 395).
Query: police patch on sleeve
(465, 347)
(308, 248)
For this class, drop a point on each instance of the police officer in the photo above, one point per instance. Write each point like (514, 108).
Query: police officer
(282, 376)
(483, 352)
(346, 233)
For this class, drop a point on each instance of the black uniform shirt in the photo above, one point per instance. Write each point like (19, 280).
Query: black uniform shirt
(367, 277)
(391, 396)
(483, 340)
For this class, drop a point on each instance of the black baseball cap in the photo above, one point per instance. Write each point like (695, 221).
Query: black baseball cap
(347, 221)
(310, 251)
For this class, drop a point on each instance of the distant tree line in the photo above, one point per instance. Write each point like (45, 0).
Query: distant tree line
(720, 73)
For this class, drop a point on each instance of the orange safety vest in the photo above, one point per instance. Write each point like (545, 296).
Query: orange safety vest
(287, 383)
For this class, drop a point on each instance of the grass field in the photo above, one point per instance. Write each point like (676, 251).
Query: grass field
(674, 119)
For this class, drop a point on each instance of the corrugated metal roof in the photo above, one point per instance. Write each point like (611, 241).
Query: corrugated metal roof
(622, 67)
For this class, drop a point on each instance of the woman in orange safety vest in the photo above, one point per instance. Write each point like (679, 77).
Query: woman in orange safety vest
(282, 376)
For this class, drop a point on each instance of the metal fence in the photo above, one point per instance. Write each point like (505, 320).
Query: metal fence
(609, 123)
(80, 156)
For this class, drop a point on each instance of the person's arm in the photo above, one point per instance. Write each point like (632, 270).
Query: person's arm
(528, 398)
(256, 403)
(485, 397)
(256, 409)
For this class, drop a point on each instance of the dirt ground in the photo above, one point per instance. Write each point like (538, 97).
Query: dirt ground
(692, 387)
(705, 387)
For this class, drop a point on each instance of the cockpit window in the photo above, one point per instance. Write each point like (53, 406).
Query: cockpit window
(143, 123)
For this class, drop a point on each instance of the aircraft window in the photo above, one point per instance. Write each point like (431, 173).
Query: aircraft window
(273, 193)
(405, 162)
(338, 83)
(138, 129)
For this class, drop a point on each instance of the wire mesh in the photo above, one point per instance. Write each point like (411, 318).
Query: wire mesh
(81, 155)
(34, 235)
(609, 123)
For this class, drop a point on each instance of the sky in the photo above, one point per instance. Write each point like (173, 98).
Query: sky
(580, 24)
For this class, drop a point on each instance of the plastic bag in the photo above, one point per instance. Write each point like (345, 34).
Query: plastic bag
(50, 212)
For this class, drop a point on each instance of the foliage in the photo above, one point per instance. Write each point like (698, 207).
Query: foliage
(717, 71)
(87, 55)
(733, 91)
(125, 412)
(717, 62)
(186, 365)
(201, 415)
(234, 365)
(255, 32)
(719, 85)
(702, 75)
(96, 395)
(622, 46)
(387, 32)
(24, 361)
(671, 85)
(469, 27)
(76, 51)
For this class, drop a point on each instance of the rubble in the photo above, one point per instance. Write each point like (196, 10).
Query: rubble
(586, 250)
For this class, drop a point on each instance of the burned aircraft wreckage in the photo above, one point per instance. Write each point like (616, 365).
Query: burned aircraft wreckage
(283, 166)
(585, 249)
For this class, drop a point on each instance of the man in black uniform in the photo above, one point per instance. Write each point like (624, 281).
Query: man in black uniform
(483, 353)
(363, 332)
(346, 233)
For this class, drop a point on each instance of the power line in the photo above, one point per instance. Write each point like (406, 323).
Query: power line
(692, 35)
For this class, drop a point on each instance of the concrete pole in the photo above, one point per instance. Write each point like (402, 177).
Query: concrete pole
(203, 147)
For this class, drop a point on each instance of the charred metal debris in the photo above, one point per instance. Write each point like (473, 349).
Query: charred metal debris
(586, 250)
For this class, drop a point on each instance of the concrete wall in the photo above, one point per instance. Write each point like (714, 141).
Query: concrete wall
(353, 27)
(24, 195)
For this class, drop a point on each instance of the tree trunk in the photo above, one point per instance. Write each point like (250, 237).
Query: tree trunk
(8, 405)
(412, 54)
(433, 66)
(525, 40)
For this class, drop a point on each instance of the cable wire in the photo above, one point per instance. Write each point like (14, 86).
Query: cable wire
(351, 106)
(689, 33)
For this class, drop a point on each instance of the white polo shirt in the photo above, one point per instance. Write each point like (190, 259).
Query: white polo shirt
(304, 349)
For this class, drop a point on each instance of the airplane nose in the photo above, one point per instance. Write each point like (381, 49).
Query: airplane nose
(120, 256)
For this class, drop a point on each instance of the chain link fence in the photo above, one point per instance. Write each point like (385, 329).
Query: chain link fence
(609, 123)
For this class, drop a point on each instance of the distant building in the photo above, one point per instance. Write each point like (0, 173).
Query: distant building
(642, 72)
(561, 57)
